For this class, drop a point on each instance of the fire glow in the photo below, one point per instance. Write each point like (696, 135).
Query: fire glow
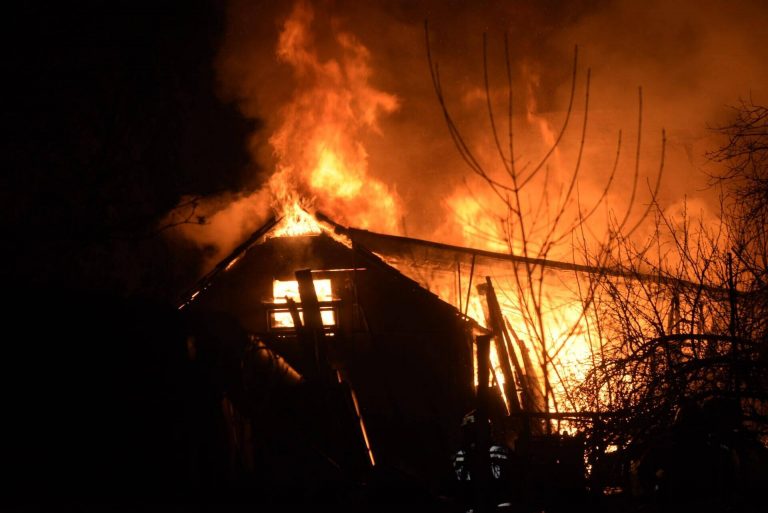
(289, 289)
(321, 163)
(296, 222)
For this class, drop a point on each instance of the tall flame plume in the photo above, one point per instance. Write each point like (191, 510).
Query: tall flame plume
(321, 161)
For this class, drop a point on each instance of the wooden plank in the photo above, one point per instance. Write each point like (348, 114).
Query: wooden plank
(495, 322)
(313, 322)
(534, 400)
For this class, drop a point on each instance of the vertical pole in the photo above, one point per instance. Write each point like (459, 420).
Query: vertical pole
(482, 468)
(496, 324)
(313, 322)
(458, 279)
(469, 288)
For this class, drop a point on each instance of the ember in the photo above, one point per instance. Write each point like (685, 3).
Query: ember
(296, 222)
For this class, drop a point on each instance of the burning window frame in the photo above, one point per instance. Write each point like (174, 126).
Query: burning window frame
(279, 306)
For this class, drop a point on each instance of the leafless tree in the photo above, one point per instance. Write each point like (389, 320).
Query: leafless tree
(534, 225)
(687, 323)
(745, 181)
(677, 318)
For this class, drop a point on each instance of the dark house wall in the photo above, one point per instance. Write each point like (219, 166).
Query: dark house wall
(405, 352)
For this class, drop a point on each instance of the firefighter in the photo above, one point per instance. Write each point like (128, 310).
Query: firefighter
(481, 480)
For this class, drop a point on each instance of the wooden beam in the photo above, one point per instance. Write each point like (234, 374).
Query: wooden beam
(495, 322)
(313, 321)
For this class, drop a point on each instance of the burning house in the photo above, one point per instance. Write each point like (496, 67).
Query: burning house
(348, 350)
(385, 366)
(315, 357)
(355, 349)
(344, 363)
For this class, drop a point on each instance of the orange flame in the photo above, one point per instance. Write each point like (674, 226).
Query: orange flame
(290, 289)
(322, 163)
(296, 222)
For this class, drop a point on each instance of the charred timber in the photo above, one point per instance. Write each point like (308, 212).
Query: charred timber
(495, 322)
(204, 282)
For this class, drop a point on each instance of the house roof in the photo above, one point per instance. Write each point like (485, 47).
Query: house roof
(392, 250)
(343, 235)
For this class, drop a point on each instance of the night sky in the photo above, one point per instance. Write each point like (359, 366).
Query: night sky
(112, 115)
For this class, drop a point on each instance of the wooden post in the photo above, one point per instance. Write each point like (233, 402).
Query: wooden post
(295, 317)
(496, 323)
(313, 322)
(335, 389)
(469, 287)
(481, 470)
(533, 398)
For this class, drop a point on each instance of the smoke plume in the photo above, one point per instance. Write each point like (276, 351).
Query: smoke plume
(346, 85)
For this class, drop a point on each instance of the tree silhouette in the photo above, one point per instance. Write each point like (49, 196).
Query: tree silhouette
(538, 217)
